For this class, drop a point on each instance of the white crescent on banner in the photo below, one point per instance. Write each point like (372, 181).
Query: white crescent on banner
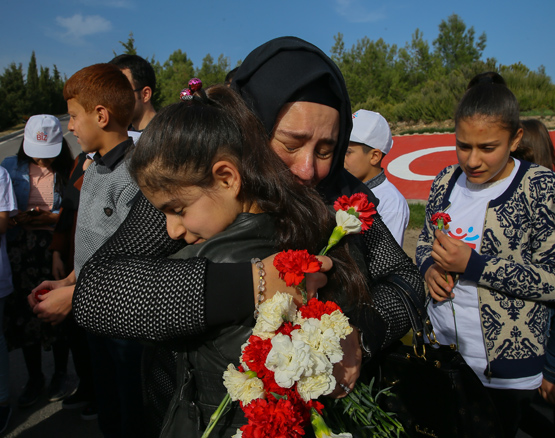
(399, 167)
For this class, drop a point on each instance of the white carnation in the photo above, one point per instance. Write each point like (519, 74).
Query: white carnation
(350, 223)
(338, 322)
(241, 386)
(330, 346)
(272, 313)
(238, 434)
(288, 359)
(309, 333)
(313, 387)
(319, 364)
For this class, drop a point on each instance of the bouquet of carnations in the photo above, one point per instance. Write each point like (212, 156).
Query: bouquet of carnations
(287, 363)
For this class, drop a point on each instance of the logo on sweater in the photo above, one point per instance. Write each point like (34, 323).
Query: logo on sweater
(108, 211)
(42, 136)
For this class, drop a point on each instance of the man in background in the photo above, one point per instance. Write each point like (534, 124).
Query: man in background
(143, 80)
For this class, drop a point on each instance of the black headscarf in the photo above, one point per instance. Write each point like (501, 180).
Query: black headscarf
(274, 73)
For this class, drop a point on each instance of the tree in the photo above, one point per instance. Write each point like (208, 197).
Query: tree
(12, 96)
(369, 68)
(418, 62)
(338, 48)
(59, 105)
(173, 76)
(455, 44)
(129, 46)
(211, 73)
(32, 92)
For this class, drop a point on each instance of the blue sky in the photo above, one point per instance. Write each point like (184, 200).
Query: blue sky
(75, 33)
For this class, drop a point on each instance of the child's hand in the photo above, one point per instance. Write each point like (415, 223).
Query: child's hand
(547, 391)
(54, 306)
(440, 288)
(450, 254)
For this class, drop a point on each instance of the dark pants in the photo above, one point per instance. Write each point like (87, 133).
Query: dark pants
(79, 346)
(117, 376)
(510, 404)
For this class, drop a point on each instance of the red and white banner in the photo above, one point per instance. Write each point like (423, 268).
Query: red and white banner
(415, 160)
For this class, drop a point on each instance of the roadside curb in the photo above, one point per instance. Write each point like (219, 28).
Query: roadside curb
(11, 135)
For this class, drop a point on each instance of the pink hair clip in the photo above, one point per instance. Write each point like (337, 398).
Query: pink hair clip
(195, 85)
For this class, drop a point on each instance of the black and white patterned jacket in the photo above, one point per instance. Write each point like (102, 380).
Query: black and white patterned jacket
(514, 269)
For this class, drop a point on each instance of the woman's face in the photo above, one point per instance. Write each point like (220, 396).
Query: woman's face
(305, 138)
(483, 148)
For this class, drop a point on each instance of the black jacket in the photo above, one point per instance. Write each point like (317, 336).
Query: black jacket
(203, 359)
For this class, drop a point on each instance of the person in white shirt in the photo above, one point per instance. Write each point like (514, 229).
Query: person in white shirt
(370, 141)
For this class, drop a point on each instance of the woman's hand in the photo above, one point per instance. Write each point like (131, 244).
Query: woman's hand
(274, 283)
(347, 371)
(450, 254)
(440, 289)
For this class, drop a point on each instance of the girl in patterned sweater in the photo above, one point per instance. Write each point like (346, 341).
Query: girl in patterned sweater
(491, 274)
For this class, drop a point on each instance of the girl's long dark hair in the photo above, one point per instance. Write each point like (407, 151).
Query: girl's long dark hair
(184, 140)
(535, 145)
(61, 165)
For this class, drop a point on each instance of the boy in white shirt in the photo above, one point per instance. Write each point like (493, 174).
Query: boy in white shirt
(370, 141)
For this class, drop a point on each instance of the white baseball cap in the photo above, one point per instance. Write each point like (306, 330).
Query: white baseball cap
(371, 129)
(43, 137)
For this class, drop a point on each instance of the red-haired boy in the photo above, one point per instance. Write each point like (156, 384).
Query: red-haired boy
(100, 104)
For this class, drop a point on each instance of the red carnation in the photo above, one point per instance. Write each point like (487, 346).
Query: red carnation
(359, 206)
(272, 418)
(292, 265)
(255, 353)
(41, 292)
(286, 328)
(441, 220)
(315, 308)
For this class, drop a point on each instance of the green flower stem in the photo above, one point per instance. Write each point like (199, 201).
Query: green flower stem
(301, 287)
(216, 416)
(320, 427)
(440, 227)
(455, 322)
(337, 234)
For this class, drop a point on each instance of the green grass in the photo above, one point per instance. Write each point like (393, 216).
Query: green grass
(426, 131)
(536, 113)
(417, 215)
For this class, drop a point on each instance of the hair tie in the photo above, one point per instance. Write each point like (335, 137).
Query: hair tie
(195, 85)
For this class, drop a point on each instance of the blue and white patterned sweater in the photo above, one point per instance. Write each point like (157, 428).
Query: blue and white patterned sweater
(514, 270)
